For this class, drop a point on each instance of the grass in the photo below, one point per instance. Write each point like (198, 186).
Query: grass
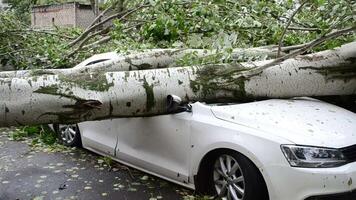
(39, 138)
(38, 134)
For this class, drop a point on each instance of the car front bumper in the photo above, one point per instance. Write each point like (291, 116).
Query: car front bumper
(340, 196)
(285, 182)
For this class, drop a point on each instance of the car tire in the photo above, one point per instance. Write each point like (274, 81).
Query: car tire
(230, 175)
(68, 134)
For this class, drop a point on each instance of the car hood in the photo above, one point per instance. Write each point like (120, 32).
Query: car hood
(303, 121)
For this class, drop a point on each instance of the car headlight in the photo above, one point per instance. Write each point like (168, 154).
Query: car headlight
(313, 157)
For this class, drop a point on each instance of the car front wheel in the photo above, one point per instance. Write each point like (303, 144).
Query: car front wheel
(68, 134)
(230, 175)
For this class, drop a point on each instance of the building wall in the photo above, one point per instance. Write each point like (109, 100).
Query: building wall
(84, 17)
(62, 15)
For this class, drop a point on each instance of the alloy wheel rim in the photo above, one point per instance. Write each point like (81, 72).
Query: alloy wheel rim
(228, 178)
(68, 133)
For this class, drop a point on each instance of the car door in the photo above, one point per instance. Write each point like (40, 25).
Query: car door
(159, 144)
(99, 136)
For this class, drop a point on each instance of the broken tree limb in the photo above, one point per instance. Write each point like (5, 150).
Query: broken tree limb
(287, 25)
(147, 59)
(121, 16)
(312, 44)
(295, 28)
(96, 44)
(75, 97)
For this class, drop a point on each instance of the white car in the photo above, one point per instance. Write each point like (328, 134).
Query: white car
(299, 149)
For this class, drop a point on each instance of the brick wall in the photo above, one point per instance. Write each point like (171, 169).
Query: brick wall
(62, 15)
(84, 17)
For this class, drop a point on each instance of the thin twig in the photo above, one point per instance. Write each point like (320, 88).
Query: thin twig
(91, 28)
(303, 29)
(294, 47)
(285, 29)
(122, 14)
(36, 31)
(82, 43)
(98, 42)
(101, 41)
(310, 45)
(99, 16)
(11, 52)
(283, 19)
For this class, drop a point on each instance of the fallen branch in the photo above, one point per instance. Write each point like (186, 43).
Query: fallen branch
(75, 97)
(295, 53)
(123, 15)
(287, 25)
(147, 59)
(304, 29)
(82, 43)
(36, 31)
(97, 43)
(97, 18)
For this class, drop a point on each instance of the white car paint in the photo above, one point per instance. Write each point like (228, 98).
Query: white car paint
(172, 146)
(307, 122)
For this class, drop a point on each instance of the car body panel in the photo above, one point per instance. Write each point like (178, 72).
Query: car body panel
(100, 136)
(306, 122)
(173, 146)
(160, 143)
(300, 183)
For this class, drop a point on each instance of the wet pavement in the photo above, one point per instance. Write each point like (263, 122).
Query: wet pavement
(43, 173)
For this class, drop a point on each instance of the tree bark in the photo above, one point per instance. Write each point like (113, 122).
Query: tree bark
(74, 97)
(147, 59)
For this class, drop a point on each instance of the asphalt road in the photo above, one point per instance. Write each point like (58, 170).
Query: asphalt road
(27, 173)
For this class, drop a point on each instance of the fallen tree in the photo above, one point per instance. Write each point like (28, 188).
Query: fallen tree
(79, 96)
(165, 58)
(153, 59)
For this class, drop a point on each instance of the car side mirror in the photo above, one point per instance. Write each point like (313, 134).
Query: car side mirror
(175, 105)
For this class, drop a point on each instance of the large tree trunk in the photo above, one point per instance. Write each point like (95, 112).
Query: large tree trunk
(150, 59)
(74, 97)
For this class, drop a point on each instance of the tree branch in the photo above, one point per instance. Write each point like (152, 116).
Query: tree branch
(99, 16)
(101, 41)
(122, 14)
(294, 47)
(303, 49)
(285, 29)
(82, 43)
(37, 31)
(11, 52)
(303, 29)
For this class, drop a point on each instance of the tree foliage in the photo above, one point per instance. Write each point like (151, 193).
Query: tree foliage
(210, 24)
(24, 48)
